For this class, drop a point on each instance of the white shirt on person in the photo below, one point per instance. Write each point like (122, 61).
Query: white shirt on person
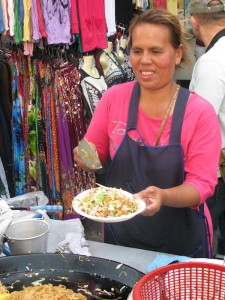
(208, 80)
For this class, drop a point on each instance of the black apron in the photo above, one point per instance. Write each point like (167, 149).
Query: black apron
(180, 231)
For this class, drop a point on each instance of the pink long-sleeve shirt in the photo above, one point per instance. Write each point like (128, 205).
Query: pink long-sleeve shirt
(200, 136)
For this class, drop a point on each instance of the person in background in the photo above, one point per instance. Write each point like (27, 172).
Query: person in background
(163, 143)
(208, 80)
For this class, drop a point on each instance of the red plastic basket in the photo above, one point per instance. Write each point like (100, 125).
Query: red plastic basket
(182, 281)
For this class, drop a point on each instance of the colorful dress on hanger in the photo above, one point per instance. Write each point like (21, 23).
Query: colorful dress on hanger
(71, 128)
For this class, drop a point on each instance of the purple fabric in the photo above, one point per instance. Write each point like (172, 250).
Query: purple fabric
(36, 33)
(56, 16)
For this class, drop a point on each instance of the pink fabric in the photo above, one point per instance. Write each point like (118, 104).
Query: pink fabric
(160, 4)
(74, 17)
(40, 20)
(28, 48)
(200, 138)
(92, 22)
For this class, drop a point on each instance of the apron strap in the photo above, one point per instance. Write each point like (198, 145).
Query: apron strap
(178, 115)
(133, 107)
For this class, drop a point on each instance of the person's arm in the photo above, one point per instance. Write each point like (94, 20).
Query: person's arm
(155, 197)
(201, 142)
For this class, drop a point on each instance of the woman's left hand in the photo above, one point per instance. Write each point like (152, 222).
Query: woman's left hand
(153, 198)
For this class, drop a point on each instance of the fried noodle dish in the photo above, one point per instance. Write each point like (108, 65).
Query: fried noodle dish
(108, 202)
(45, 292)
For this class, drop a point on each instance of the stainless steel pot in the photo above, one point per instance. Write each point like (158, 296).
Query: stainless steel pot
(27, 236)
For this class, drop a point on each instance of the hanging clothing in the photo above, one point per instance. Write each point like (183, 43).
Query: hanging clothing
(110, 17)
(74, 17)
(92, 91)
(41, 131)
(129, 73)
(181, 231)
(2, 25)
(18, 30)
(10, 15)
(6, 153)
(4, 13)
(70, 130)
(6, 106)
(36, 36)
(27, 21)
(56, 15)
(6, 91)
(4, 191)
(92, 24)
(17, 136)
(41, 20)
(114, 73)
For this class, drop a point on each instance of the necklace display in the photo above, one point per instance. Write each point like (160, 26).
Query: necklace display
(169, 107)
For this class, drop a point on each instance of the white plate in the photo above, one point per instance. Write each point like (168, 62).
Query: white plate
(79, 197)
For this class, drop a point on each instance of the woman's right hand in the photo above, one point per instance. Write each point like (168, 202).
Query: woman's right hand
(80, 161)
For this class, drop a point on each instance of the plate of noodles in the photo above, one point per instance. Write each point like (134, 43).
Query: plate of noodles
(108, 205)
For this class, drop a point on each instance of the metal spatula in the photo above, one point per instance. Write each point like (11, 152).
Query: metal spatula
(89, 155)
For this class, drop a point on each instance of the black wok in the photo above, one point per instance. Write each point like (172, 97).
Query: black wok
(81, 273)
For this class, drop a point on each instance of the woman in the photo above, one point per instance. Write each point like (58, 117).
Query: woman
(164, 144)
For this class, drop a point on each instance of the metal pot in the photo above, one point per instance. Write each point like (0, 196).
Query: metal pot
(80, 273)
(27, 236)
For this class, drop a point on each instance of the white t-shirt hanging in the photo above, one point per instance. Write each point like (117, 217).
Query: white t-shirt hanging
(110, 17)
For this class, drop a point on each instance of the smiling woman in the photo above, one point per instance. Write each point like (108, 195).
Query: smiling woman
(163, 144)
(153, 57)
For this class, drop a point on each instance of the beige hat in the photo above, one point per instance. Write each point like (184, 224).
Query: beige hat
(202, 6)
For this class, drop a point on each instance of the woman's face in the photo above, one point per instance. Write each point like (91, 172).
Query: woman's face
(152, 55)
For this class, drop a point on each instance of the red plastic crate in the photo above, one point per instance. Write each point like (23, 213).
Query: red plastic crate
(183, 281)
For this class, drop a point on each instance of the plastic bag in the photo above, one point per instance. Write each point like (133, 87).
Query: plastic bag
(6, 217)
(28, 199)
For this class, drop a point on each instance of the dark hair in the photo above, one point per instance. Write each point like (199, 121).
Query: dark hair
(162, 17)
